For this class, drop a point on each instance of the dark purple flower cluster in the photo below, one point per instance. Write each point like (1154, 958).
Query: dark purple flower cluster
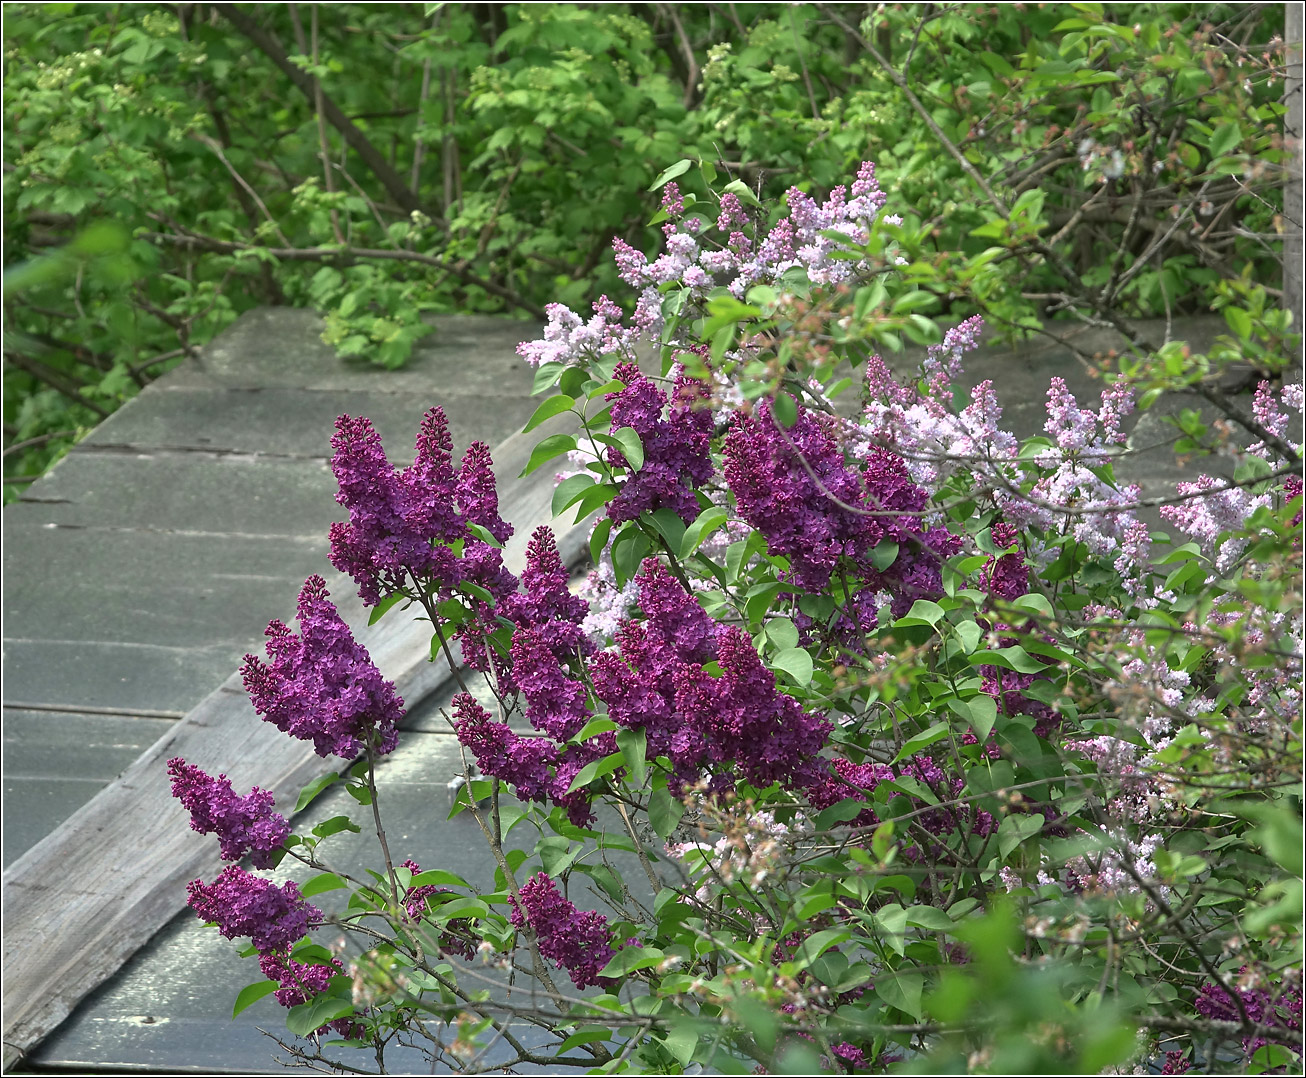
(244, 825)
(242, 904)
(536, 767)
(404, 524)
(301, 981)
(844, 781)
(545, 602)
(656, 683)
(795, 487)
(1279, 1013)
(741, 716)
(322, 686)
(676, 449)
(574, 941)
(456, 937)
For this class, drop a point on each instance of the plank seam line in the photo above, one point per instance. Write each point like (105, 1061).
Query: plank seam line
(126, 713)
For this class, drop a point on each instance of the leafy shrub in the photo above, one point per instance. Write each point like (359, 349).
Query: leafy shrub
(932, 757)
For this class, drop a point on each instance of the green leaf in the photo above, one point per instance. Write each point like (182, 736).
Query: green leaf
(796, 662)
(437, 877)
(923, 740)
(600, 724)
(599, 539)
(884, 554)
(326, 881)
(664, 812)
(1223, 139)
(784, 410)
(596, 769)
(310, 1016)
(552, 446)
(632, 746)
(1013, 658)
(1015, 829)
(546, 411)
(1034, 603)
(968, 634)
(252, 993)
(385, 604)
(931, 918)
(782, 632)
(570, 491)
(922, 612)
(902, 989)
(546, 376)
(708, 521)
(334, 826)
(309, 792)
(818, 943)
(631, 447)
(678, 169)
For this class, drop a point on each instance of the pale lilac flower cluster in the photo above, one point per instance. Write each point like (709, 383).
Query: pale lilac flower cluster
(1207, 518)
(322, 685)
(923, 428)
(800, 239)
(572, 940)
(244, 825)
(751, 854)
(403, 524)
(242, 904)
(569, 340)
(609, 605)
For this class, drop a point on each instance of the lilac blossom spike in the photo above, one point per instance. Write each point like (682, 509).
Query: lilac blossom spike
(546, 602)
(244, 825)
(242, 904)
(322, 686)
(572, 940)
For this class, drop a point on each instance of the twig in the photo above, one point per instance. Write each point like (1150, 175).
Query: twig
(54, 380)
(374, 159)
(40, 439)
(218, 152)
(348, 256)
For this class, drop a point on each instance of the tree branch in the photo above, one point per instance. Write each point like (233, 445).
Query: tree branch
(348, 256)
(394, 184)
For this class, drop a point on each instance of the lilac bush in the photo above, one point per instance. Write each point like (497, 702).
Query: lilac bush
(924, 751)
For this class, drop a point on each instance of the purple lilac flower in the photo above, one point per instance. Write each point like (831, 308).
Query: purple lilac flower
(676, 449)
(244, 825)
(322, 686)
(450, 941)
(1279, 1013)
(555, 702)
(242, 904)
(1175, 1063)
(546, 603)
(522, 762)
(794, 487)
(574, 941)
(847, 781)
(744, 718)
(301, 981)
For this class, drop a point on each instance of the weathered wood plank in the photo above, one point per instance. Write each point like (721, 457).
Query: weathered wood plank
(80, 902)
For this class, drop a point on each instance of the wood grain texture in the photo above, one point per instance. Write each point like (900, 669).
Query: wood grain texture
(83, 900)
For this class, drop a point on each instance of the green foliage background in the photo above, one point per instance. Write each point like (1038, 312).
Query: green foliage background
(168, 167)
